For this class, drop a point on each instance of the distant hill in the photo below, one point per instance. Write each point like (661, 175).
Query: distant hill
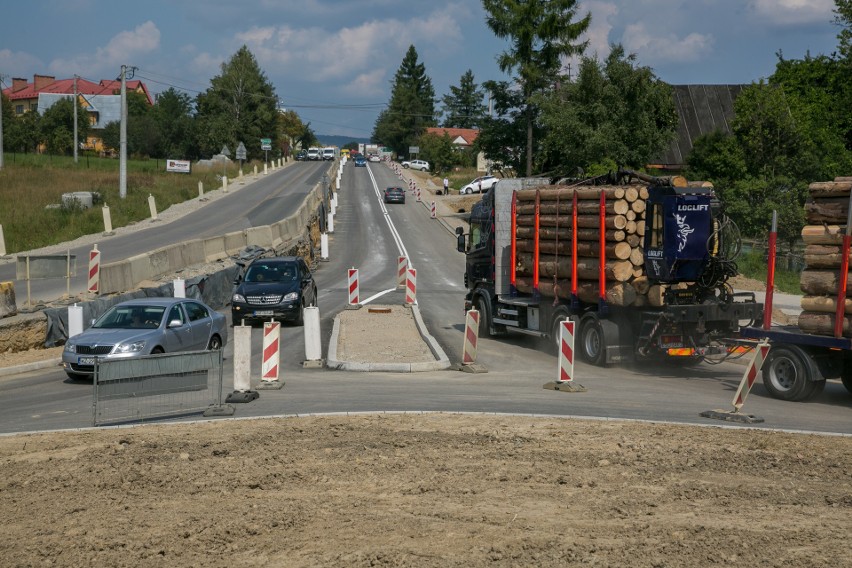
(339, 141)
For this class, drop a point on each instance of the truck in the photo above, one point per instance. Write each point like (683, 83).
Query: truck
(314, 153)
(537, 255)
(802, 357)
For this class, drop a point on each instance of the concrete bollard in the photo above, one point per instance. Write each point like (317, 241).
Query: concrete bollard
(75, 320)
(242, 366)
(330, 223)
(224, 184)
(179, 286)
(201, 191)
(2, 242)
(313, 341)
(324, 247)
(242, 181)
(265, 169)
(255, 170)
(152, 205)
(107, 221)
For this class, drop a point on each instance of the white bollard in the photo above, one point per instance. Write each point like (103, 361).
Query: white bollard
(75, 320)
(255, 170)
(334, 199)
(201, 190)
(107, 221)
(265, 168)
(330, 223)
(333, 207)
(324, 246)
(471, 335)
(2, 242)
(313, 341)
(224, 184)
(242, 181)
(152, 205)
(242, 358)
(179, 286)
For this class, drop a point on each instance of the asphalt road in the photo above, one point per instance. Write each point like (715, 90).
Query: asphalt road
(266, 200)
(370, 235)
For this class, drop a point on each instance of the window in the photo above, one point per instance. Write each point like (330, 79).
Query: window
(19, 109)
(476, 234)
(195, 311)
(176, 314)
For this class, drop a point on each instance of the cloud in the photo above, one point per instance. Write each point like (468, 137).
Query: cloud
(663, 47)
(17, 64)
(793, 12)
(369, 84)
(120, 50)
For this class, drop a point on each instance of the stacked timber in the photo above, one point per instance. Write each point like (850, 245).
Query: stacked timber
(624, 229)
(827, 211)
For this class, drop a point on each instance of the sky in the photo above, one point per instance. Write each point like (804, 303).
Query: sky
(324, 57)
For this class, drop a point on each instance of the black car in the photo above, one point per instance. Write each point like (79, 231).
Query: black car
(274, 288)
(394, 195)
(302, 156)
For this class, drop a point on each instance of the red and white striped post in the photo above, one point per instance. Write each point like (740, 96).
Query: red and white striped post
(566, 351)
(565, 374)
(271, 351)
(353, 286)
(411, 286)
(401, 271)
(433, 211)
(471, 334)
(94, 270)
(417, 192)
(750, 374)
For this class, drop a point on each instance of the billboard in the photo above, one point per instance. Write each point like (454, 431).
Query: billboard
(180, 166)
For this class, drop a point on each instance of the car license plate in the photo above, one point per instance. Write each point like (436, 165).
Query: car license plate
(260, 313)
(85, 360)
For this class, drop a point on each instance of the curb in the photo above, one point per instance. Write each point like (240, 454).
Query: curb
(35, 366)
(441, 360)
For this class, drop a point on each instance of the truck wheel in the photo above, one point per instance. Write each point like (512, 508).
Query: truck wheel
(484, 318)
(787, 376)
(592, 342)
(555, 329)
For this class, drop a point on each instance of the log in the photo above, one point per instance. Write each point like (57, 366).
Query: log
(640, 301)
(587, 268)
(656, 295)
(564, 234)
(631, 194)
(823, 324)
(830, 188)
(824, 304)
(823, 234)
(631, 215)
(640, 228)
(643, 192)
(584, 221)
(567, 193)
(824, 256)
(617, 293)
(630, 226)
(638, 271)
(843, 178)
(641, 284)
(613, 207)
(634, 240)
(638, 206)
(819, 282)
(827, 210)
(637, 257)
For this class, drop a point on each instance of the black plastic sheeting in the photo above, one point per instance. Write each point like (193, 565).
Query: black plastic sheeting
(214, 289)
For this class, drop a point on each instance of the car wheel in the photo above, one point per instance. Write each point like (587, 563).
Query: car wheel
(157, 350)
(422, 169)
(215, 343)
(405, 166)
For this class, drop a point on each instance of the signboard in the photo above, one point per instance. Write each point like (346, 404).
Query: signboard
(180, 166)
(266, 143)
(414, 149)
(241, 151)
(225, 152)
(46, 266)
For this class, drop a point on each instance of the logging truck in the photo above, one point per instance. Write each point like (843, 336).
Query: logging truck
(803, 356)
(639, 263)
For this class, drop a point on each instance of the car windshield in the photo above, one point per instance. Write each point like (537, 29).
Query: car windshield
(131, 317)
(271, 273)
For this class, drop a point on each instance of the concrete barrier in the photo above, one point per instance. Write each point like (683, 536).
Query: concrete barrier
(214, 248)
(235, 242)
(8, 307)
(259, 236)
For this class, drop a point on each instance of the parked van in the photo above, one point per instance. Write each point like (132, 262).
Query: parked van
(328, 153)
(314, 154)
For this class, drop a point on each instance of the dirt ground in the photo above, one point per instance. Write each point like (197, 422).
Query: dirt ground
(425, 490)
(382, 333)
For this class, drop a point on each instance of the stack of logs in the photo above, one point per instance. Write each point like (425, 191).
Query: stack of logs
(827, 212)
(624, 229)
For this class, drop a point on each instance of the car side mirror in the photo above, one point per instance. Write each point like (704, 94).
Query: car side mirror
(175, 323)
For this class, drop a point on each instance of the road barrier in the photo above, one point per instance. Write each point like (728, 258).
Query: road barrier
(401, 271)
(433, 211)
(270, 364)
(411, 286)
(760, 352)
(471, 335)
(313, 338)
(242, 366)
(94, 270)
(417, 192)
(353, 286)
(565, 372)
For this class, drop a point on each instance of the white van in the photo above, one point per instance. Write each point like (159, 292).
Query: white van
(314, 154)
(328, 153)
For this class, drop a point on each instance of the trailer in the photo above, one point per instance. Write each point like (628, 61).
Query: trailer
(526, 255)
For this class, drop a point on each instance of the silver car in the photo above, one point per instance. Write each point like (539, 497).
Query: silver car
(145, 326)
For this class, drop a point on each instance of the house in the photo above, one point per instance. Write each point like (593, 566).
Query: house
(463, 138)
(102, 100)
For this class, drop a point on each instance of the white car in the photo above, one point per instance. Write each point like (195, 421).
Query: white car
(483, 184)
(374, 158)
(421, 165)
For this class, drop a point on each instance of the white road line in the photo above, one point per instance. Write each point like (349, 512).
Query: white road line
(396, 237)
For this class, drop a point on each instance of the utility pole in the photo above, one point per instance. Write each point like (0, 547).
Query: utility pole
(122, 153)
(75, 119)
(1, 122)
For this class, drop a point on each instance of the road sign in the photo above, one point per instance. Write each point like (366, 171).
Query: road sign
(241, 151)
(225, 152)
(266, 143)
(414, 149)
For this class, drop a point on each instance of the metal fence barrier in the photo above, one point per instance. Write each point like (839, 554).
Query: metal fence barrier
(156, 386)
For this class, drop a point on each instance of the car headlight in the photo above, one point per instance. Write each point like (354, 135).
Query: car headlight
(134, 347)
(238, 298)
(291, 296)
(70, 348)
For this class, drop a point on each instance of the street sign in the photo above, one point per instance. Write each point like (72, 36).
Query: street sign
(225, 152)
(266, 143)
(241, 151)
(414, 149)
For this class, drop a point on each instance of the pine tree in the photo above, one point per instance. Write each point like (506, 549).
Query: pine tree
(463, 107)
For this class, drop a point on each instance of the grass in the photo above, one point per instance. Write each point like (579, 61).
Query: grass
(31, 185)
(753, 265)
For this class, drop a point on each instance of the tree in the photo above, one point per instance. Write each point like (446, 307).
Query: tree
(172, 114)
(239, 106)
(542, 32)
(463, 107)
(438, 151)
(502, 138)
(411, 108)
(290, 128)
(56, 127)
(616, 111)
(843, 18)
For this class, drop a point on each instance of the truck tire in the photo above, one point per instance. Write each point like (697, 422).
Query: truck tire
(788, 376)
(592, 341)
(484, 317)
(555, 327)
